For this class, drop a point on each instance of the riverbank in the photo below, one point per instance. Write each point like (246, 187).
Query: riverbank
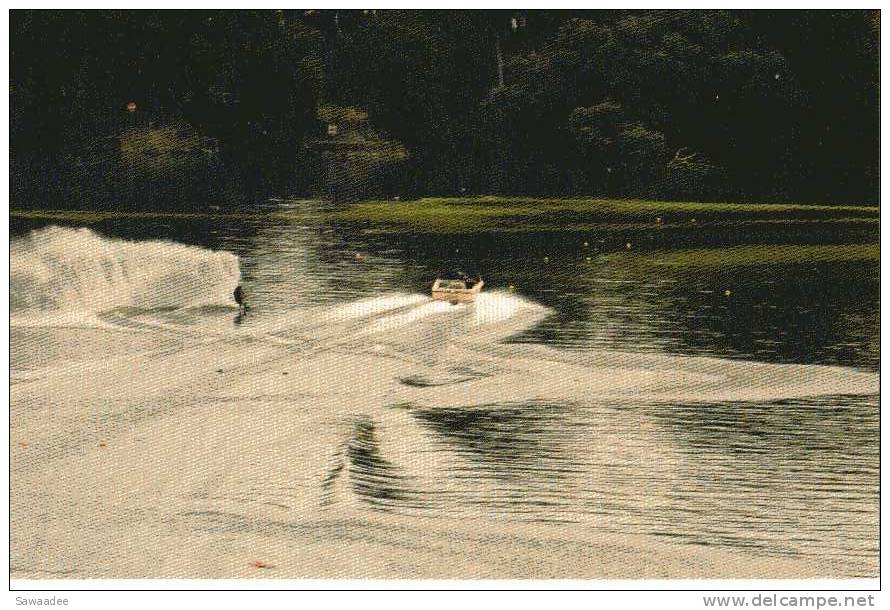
(450, 214)
(456, 214)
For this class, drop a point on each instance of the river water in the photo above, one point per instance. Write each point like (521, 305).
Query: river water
(631, 382)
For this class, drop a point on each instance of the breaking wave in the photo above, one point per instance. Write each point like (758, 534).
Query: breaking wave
(58, 270)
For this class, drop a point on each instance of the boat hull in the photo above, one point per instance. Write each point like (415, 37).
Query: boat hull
(456, 295)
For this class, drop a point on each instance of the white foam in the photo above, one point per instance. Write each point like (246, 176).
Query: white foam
(399, 320)
(494, 307)
(67, 270)
(373, 305)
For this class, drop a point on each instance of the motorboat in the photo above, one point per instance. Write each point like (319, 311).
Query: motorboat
(457, 290)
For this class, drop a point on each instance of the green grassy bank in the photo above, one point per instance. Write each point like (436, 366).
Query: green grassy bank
(530, 214)
(513, 214)
(757, 255)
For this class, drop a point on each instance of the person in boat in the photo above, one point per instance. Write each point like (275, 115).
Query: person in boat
(463, 277)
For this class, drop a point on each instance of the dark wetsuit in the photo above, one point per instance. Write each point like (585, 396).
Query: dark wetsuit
(239, 296)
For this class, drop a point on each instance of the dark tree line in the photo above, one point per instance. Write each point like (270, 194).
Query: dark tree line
(731, 105)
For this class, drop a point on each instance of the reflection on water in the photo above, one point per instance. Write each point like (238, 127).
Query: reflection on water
(780, 477)
(505, 442)
(793, 477)
(796, 470)
(372, 477)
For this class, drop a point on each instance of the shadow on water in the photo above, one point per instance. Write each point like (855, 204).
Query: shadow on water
(841, 426)
(510, 442)
(373, 478)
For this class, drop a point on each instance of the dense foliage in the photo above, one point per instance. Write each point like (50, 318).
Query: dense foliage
(723, 105)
